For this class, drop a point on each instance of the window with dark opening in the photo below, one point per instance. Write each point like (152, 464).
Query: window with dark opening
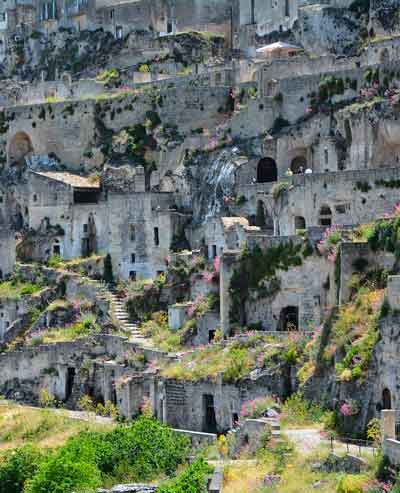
(325, 216)
(156, 237)
(83, 196)
(289, 319)
(210, 422)
(267, 171)
(69, 384)
(386, 399)
(299, 223)
(132, 232)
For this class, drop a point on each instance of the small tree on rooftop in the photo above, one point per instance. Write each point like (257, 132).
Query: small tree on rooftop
(108, 270)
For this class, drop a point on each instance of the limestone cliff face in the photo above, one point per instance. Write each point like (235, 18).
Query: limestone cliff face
(323, 29)
(213, 183)
(383, 376)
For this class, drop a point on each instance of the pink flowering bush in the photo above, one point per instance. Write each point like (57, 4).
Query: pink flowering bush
(213, 276)
(257, 408)
(375, 486)
(217, 264)
(208, 276)
(349, 407)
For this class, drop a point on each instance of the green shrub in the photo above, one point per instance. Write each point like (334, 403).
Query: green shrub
(193, 480)
(108, 275)
(143, 450)
(385, 308)
(18, 467)
(383, 468)
(64, 473)
(54, 261)
(351, 483)
(297, 411)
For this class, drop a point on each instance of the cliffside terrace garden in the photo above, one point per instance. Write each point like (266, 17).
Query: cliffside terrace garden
(236, 359)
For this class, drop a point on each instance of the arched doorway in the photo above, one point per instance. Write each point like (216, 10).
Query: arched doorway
(299, 223)
(289, 319)
(298, 165)
(19, 148)
(325, 216)
(267, 170)
(262, 219)
(386, 399)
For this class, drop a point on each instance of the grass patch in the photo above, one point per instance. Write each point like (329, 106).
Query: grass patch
(20, 425)
(15, 289)
(234, 360)
(299, 413)
(85, 327)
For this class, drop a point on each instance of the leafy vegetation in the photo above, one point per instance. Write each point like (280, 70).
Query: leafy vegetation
(144, 298)
(385, 234)
(298, 412)
(15, 289)
(140, 451)
(84, 327)
(355, 333)
(17, 467)
(21, 425)
(194, 479)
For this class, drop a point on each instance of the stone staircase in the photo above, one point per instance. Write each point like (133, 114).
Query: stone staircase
(118, 310)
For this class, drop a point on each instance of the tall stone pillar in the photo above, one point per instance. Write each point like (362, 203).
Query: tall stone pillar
(388, 424)
(228, 260)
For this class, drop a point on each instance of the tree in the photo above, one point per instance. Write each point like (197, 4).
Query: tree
(260, 215)
(108, 270)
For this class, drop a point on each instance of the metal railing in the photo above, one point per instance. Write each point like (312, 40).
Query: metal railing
(353, 445)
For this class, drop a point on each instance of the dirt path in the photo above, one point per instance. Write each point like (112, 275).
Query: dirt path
(307, 440)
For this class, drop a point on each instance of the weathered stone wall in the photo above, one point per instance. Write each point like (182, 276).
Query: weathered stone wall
(342, 193)
(181, 403)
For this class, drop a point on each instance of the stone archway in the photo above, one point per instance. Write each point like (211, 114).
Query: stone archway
(299, 223)
(19, 148)
(267, 170)
(289, 319)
